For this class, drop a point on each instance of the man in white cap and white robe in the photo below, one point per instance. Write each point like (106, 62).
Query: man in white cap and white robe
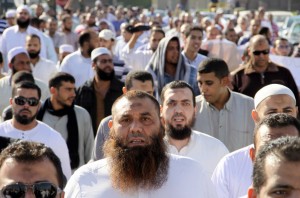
(232, 176)
(18, 60)
(63, 51)
(15, 36)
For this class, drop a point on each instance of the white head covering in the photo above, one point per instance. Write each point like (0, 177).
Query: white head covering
(10, 14)
(24, 7)
(99, 51)
(66, 48)
(270, 90)
(14, 52)
(107, 34)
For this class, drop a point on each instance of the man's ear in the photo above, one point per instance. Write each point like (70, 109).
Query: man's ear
(251, 192)
(110, 124)
(10, 101)
(124, 90)
(52, 90)
(10, 65)
(252, 154)
(225, 81)
(255, 116)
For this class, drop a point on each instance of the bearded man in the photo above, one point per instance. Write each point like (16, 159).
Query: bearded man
(15, 36)
(25, 102)
(98, 95)
(178, 110)
(137, 164)
(78, 63)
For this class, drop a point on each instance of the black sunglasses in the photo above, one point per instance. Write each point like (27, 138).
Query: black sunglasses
(257, 53)
(40, 190)
(21, 101)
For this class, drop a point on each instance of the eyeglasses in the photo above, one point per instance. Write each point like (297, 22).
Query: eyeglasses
(257, 53)
(21, 101)
(40, 190)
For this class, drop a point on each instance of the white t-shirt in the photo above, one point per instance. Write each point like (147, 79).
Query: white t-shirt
(6, 91)
(203, 148)
(185, 180)
(79, 67)
(232, 176)
(41, 133)
(44, 69)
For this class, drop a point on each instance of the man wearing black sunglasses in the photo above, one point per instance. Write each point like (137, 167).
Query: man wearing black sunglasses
(260, 71)
(25, 102)
(30, 169)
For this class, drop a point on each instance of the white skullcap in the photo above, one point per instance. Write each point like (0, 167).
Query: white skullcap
(10, 14)
(24, 7)
(99, 51)
(14, 52)
(270, 90)
(107, 34)
(66, 48)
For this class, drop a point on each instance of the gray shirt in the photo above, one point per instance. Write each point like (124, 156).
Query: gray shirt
(85, 131)
(233, 124)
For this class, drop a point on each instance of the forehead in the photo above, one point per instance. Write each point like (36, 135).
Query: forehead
(196, 33)
(33, 40)
(21, 57)
(268, 133)
(173, 43)
(104, 56)
(207, 76)
(157, 35)
(27, 92)
(31, 172)
(277, 101)
(178, 94)
(24, 11)
(260, 44)
(67, 84)
(135, 106)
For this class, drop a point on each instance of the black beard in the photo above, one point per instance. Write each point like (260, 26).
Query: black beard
(105, 76)
(178, 133)
(23, 24)
(90, 51)
(23, 119)
(34, 55)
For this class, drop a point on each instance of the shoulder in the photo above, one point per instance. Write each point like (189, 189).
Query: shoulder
(236, 157)
(240, 96)
(208, 140)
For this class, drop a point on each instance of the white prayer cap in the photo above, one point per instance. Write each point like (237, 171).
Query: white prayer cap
(14, 52)
(107, 34)
(10, 14)
(66, 48)
(99, 51)
(270, 90)
(24, 7)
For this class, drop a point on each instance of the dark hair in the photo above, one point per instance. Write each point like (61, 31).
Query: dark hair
(277, 120)
(22, 76)
(31, 152)
(85, 36)
(65, 17)
(193, 28)
(35, 22)
(216, 65)
(60, 77)
(26, 85)
(286, 149)
(31, 36)
(158, 30)
(227, 31)
(133, 94)
(177, 84)
(1, 58)
(139, 75)
(279, 39)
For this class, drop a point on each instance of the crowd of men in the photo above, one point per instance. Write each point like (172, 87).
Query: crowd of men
(113, 102)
